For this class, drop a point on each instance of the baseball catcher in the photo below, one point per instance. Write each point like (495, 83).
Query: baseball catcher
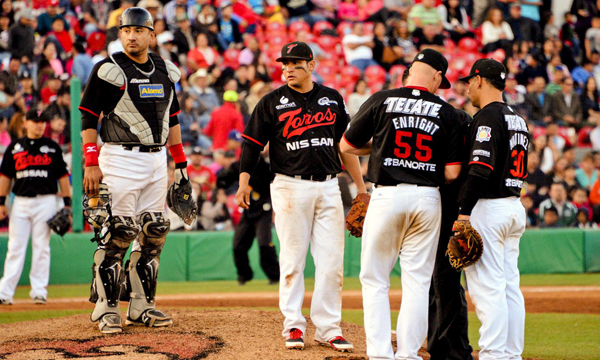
(61, 221)
(356, 215)
(466, 246)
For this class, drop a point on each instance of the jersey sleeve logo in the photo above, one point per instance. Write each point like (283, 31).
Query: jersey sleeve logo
(148, 91)
(484, 133)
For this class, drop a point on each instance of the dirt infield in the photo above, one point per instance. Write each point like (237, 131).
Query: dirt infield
(238, 334)
(552, 299)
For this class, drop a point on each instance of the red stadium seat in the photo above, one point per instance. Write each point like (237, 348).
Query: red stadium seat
(298, 26)
(328, 72)
(452, 75)
(230, 58)
(449, 45)
(275, 27)
(498, 55)
(369, 27)
(332, 83)
(468, 44)
(458, 64)
(277, 41)
(350, 73)
(375, 74)
(328, 43)
(320, 26)
(344, 28)
(96, 42)
(396, 71)
(583, 138)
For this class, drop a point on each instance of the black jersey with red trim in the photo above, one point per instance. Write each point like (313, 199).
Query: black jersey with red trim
(302, 129)
(102, 97)
(500, 141)
(35, 165)
(415, 134)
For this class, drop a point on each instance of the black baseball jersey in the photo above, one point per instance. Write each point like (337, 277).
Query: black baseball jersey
(302, 129)
(415, 134)
(500, 141)
(102, 97)
(35, 165)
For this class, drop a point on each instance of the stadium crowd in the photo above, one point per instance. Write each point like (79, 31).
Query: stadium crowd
(226, 51)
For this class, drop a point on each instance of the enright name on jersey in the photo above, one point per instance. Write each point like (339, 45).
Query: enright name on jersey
(415, 134)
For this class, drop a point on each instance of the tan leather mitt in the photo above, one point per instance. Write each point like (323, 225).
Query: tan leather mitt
(465, 246)
(356, 216)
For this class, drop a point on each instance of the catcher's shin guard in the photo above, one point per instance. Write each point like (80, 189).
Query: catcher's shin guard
(143, 273)
(108, 275)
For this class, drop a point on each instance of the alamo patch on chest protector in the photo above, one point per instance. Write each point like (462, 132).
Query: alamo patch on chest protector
(152, 90)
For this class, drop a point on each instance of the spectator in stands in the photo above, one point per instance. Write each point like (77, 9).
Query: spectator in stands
(4, 135)
(587, 174)
(590, 102)
(404, 46)
(358, 97)
(582, 73)
(190, 129)
(566, 107)
(202, 56)
(394, 8)
(523, 28)
(556, 79)
(583, 220)
(61, 107)
(223, 120)
(251, 54)
(229, 29)
(295, 10)
(61, 36)
(558, 172)
(550, 218)
(155, 9)
(45, 19)
(113, 16)
(580, 200)
(50, 65)
(183, 36)
(423, 14)
(55, 130)
(31, 96)
(511, 96)
(558, 200)
(383, 53)
(170, 13)
(592, 37)
(21, 37)
(430, 38)
(537, 179)
(199, 174)
(527, 202)
(358, 47)
(546, 153)
(257, 91)
(6, 9)
(557, 71)
(16, 126)
(348, 11)
(538, 102)
(555, 141)
(49, 93)
(234, 143)
(4, 26)
(82, 63)
(531, 9)
(95, 15)
(214, 215)
(551, 31)
(455, 20)
(496, 33)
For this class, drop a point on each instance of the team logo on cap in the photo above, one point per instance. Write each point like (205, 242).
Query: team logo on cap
(290, 47)
(484, 133)
(421, 56)
(503, 75)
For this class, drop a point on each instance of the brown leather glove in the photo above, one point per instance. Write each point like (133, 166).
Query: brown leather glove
(465, 246)
(356, 216)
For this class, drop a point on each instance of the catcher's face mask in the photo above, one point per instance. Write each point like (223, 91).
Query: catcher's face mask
(96, 208)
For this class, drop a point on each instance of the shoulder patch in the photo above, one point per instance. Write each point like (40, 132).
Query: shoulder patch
(112, 74)
(173, 71)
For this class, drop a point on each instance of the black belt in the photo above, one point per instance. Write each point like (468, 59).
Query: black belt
(317, 177)
(143, 148)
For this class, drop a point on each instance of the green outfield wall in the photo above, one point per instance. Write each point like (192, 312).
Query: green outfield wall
(199, 256)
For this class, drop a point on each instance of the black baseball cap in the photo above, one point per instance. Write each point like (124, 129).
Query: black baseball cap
(437, 61)
(296, 50)
(36, 115)
(489, 69)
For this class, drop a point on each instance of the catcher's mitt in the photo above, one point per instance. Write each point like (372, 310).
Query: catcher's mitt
(181, 201)
(356, 215)
(465, 246)
(61, 221)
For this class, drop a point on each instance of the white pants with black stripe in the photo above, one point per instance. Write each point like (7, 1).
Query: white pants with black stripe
(310, 212)
(403, 222)
(28, 216)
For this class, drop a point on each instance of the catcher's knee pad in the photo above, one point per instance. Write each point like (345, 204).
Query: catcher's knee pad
(107, 279)
(154, 231)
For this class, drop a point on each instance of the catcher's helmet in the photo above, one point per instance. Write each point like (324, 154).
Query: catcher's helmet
(137, 16)
(96, 208)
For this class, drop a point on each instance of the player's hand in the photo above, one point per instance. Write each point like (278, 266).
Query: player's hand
(91, 179)
(243, 196)
(3, 212)
(464, 217)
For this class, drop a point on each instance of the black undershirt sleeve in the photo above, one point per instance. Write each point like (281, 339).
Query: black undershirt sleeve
(88, 121)
(250, 156)
(473, 188)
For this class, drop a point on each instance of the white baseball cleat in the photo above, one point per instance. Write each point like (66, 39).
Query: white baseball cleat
(295, 340)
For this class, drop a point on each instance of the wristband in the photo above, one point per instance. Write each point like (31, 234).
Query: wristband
(178, 155)
(90, 151)
(2, 200)
(67, 201)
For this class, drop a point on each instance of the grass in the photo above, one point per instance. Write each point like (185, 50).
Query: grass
(18, 316)
(169, 288)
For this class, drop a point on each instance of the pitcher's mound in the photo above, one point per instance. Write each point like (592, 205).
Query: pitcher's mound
(240, 334)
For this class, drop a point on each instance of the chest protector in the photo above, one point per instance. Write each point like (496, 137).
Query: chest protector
(142, 114)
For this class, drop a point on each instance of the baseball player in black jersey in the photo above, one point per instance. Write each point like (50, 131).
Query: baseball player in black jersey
(447, 334)
(303, 123)
(133, 91)
(36, 165)
(499, 141)
(413, 138)
(255, 222)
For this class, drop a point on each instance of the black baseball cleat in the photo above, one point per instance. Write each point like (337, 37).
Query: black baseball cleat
(295, 340)
(39, 300)
(150, 318)
(274, 282)
(338, 343)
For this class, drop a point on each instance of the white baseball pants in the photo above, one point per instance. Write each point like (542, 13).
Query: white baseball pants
(28, 216)
(402, 221)
(493, 282)
(309, 212)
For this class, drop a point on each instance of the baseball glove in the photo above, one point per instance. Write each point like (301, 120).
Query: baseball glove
(465, 246)
(356, 215)
(181, 201)
(61, 221)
